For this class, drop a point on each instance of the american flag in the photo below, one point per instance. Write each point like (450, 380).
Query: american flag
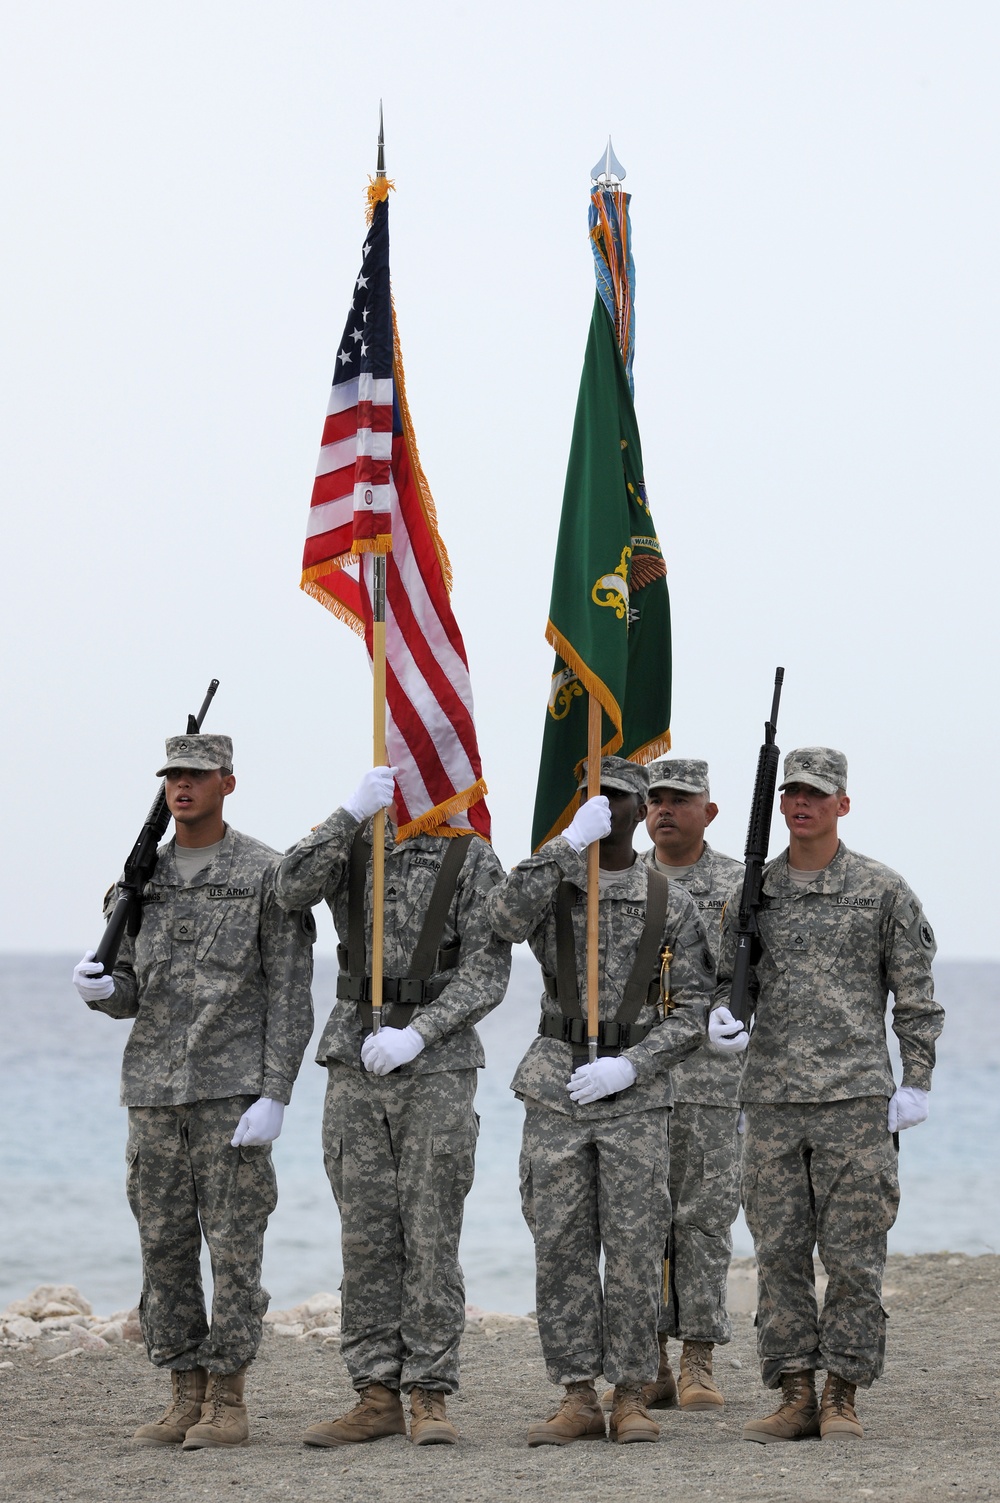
(370, 496)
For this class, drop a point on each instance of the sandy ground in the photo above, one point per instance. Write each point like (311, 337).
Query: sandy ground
(931, 1423)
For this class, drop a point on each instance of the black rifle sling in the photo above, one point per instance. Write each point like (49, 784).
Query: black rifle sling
(646, 956)
(357, 948)
(425, 956)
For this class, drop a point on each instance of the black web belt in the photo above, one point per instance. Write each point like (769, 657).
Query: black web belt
(611, 1037)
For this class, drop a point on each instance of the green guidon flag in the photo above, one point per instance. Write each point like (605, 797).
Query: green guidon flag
(609, 618)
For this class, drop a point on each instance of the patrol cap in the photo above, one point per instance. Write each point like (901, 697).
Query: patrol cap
(616, 772)
(202, 753)
(686, 774)
(819, 766)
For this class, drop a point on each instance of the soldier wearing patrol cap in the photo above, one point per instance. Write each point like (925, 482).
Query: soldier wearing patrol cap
(399, 1127)
(838, 932)
(218, 982)
(704, 1141)
(594, 1154)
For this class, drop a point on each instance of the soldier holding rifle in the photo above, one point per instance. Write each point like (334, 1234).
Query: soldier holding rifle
(835, 933)
(217, 977)
(594, 1155)
(399, 1129)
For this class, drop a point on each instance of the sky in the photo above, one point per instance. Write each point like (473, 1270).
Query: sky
(815, 230)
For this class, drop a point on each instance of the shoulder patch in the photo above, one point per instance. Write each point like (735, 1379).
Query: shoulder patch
(926, 935)
(307, 924)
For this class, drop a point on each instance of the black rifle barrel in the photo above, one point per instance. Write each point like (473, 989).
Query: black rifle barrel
(743, 995)
(141, 863)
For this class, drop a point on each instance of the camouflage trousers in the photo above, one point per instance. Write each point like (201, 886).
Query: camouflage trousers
(588, 1185)
(705, 1197)
(820, 1174)
(400, 1154)
(183, 1179)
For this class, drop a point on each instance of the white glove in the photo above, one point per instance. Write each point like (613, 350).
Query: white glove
(259, 1124)
(374, 792)
(726, 1034)
(90, 980)
(390, 1048)
(603, 1078)
(592, 821)
(907, 1107)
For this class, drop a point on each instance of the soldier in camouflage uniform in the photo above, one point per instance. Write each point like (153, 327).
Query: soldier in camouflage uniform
(838, 933)
(704, 1142)
(218, 982)
(399, 1129)
(594, 1154)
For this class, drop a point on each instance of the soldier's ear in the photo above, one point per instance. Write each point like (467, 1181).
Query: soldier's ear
(228, 784)
(711, 810)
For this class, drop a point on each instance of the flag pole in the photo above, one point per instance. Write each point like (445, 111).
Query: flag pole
(378, 735)
(593, 877)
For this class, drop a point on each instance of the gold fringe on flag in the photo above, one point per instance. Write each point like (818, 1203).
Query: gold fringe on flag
(377, 192)
(433, 822)
(420, 479)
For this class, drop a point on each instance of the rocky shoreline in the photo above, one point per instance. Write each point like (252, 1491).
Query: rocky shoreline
(74, 1385)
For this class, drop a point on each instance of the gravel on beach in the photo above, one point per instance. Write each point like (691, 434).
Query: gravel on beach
(66, 1417)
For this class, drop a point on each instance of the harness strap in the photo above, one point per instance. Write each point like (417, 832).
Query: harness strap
(425, 956)
(356, 960)
(428, 958)
(639, 987)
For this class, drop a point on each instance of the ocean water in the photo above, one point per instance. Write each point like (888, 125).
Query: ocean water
(64, 1217)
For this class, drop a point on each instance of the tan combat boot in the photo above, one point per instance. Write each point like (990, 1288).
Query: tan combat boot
(187, 1396)
(796, 1417)
(223, 1414)
(378, 1412)
(696, 1388)
(429, 1424)
(837, 1419)
(630, 1420)
(662, 1392)
(579, 1417)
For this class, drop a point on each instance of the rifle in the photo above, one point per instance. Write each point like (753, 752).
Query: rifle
(141, 863)
(743, 1000)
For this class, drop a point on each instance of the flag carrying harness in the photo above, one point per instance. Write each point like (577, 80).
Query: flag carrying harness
(423, 983)
(622, 1031)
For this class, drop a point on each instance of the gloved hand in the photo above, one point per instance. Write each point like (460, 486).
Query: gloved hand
(259, 1124)
(389, 1048)
(907, 1107)
(726, 1034)
(603, 1078)
(90, 980)
(592, 821)
(374, 792)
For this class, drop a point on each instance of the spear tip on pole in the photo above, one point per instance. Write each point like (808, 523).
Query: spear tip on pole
(607, 170)
(380, 163)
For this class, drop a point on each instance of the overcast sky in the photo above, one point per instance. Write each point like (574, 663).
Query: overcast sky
(816, 240)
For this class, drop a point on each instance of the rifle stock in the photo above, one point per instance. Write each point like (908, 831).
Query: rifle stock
(743, 999)
(141, 863)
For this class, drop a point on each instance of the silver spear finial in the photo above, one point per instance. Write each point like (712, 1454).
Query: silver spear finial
(608, 170)
(380, 164)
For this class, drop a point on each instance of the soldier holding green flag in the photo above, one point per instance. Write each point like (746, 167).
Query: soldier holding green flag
(594, 1154)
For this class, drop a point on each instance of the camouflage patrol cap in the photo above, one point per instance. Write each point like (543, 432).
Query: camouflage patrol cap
(201, 753)
(819, 766)
(686, 774)
(616, 772)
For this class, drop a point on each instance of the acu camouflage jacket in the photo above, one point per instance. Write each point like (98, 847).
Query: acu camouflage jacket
(523, 907)
(832, 953)
(218, 981)
(318, 867)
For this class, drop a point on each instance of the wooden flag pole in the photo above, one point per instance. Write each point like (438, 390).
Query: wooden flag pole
(378, 734)
(593, 878)
(379, 752)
